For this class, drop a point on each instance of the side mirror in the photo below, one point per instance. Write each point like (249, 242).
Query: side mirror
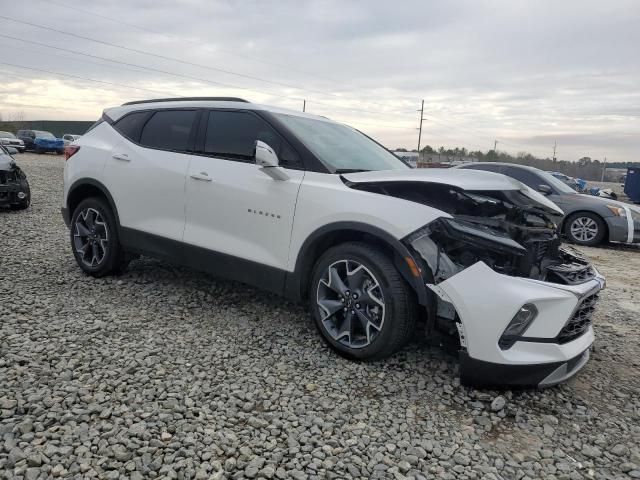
(545, 189)
(267, 159)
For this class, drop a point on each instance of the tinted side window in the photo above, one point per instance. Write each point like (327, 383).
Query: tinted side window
(234, 134)
(168, 130)
(130, 125)
(530, 179)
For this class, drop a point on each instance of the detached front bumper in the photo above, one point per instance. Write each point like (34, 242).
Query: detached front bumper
(553, 348)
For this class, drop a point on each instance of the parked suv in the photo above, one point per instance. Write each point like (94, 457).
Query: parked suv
(318, 212)
(41, 142)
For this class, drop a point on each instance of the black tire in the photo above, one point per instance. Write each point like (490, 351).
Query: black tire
(399, 311)
(113, 259)
(588, 237)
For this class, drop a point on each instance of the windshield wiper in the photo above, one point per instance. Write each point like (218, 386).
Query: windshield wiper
(350, 170)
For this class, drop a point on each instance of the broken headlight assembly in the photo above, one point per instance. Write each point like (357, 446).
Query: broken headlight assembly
(518, 325)
(448, 246)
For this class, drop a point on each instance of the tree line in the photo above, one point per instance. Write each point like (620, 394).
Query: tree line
(586, 167)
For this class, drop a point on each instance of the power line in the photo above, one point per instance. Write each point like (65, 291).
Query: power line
(160, 92)
(165, 57)
(194, 42)
(190, 77)
(87, 79)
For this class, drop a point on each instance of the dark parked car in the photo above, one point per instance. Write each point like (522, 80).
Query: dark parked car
(588, 220)
(8, 139)
(41, 142)
(14, 187)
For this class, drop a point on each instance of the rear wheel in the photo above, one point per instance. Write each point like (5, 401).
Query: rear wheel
(94, 239)
(361, 304)
(585, 228)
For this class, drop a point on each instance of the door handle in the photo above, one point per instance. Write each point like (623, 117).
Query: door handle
(204, 176)
(121, 156)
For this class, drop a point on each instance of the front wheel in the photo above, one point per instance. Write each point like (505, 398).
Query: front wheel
(361, 304)
(94, 238)
(585, 228)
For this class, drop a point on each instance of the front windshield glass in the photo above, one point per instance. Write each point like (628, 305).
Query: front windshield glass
(556, 184)
(42, 134)
(339, 147)
(7, 135)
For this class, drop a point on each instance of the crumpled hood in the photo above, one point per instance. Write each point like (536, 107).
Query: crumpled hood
(469, 180)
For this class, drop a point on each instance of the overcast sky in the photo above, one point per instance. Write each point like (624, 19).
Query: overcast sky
(524, 73)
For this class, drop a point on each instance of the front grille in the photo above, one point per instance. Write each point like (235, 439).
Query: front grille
(572, 268)
(7, 177)
(580, 321)
(570, 273)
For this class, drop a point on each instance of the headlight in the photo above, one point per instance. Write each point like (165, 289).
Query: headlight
(518, 325)
(617, 211)
(4, 140)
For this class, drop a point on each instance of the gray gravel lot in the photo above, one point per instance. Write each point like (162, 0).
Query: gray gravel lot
(169, 373)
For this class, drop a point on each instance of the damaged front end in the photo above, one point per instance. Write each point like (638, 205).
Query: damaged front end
(14, 187)
(519, 302)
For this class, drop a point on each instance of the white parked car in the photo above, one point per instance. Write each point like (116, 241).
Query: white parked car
(318, 212)
(69, 138)
(9, 140)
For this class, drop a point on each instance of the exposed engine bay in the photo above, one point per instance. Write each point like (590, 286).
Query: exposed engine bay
(508, 230)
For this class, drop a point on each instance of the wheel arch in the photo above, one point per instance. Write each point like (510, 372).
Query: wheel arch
(563, 224)
(89, 187)
(297, 282)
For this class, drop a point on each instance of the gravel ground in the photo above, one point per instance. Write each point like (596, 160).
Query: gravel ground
(169, 373)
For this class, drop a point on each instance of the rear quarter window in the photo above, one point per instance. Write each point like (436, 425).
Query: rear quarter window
(168, 130)
(131, 125)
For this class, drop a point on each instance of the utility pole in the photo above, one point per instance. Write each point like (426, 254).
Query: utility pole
(554, 151)
(304, 105)
(604, 169)
(495, 146)
(420, 129)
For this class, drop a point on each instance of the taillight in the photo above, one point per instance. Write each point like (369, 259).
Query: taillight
(70, 151)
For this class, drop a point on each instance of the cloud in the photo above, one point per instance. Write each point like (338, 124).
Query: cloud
(524, 73)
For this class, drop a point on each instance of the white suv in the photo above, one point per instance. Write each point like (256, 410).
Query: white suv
(318, 212)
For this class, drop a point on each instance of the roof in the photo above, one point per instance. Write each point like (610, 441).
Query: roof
(203, 102)
(517, 165)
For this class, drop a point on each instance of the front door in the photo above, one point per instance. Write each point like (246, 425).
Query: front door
(232, 207)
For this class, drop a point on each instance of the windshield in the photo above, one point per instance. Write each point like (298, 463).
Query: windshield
(41, 134)
(339, 147)
(555, 183)
(7, 135)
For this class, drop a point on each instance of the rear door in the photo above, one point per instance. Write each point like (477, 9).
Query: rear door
(146, 170)
(232, 207)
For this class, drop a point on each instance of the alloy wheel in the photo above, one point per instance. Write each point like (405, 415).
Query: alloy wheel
(91, 237)
(350, 303)
(584, 229)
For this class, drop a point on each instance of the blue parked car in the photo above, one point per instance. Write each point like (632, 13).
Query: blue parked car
(41, 142)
